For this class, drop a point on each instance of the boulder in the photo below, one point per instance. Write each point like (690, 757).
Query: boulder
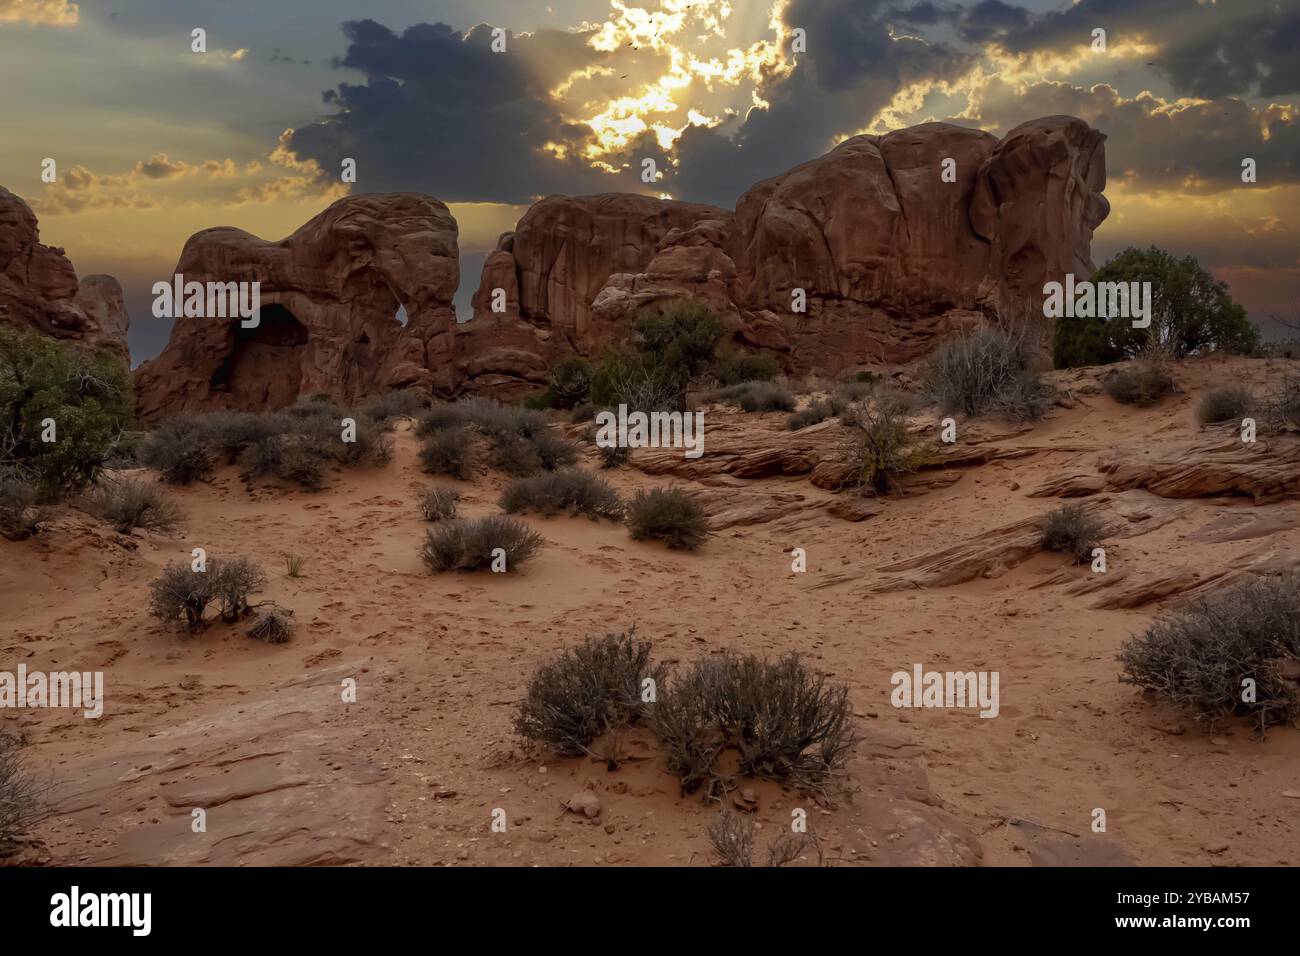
(39, 288)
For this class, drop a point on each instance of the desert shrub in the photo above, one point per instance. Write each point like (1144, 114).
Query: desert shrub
(585, 412)
(1283, 407)
(1230, 403)
(820, 410)
(20, 514)
(403, 403)
(448, 451)
(689, 735)
(587, 691)
(521, 440)
(234, 579)
(86, 396)
(613, 456)
(540, 400)
(1073, 529)
(301, 461)
(845, 393)
(20, 796)
(877, 447)
(318, 405)
(129, 503)
(293, 565)
(1200, 655)
(439, 418)
(181, 591)
(439, 504)
(667, 514)
(178, 451)
(784, 721)
(989, 371)
(635, 381)
(758, 397)
(1191, 313)
(274, 625)
(570, 382)
(467, 544)
(681, 340)
(124, 452)
(746, 367)
(1142, 383)
(868, 377)
(228, 434)
(732, 836)
(569, 489)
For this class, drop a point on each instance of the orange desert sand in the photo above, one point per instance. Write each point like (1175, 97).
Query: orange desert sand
(948, 575)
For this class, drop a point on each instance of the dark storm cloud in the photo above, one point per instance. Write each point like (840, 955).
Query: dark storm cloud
(853, 68)
(1197, 148)
(990, 20)
(1241, 47)
(440, 112)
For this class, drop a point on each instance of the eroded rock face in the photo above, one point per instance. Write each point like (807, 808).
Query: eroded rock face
(330, 295)
(39, 287)
(889, 257)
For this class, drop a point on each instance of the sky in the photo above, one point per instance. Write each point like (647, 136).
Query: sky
(153, 141)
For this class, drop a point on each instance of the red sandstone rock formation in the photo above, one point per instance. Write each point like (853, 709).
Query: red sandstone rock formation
(330, 295)
(889, 256)
(39, 287)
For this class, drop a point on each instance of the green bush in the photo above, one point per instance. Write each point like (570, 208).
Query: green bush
(568, 489)
(1192, 313)
(570, 382)
(87, 397)
(986, 371)
(667, 514)
(746, 367)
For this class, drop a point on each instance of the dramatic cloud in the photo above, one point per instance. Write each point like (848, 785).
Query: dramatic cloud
(1205, 49)
(1188, 146)
(441, 112)
(57, 13)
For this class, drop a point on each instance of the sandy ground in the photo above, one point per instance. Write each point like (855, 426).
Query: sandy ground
(411, 773)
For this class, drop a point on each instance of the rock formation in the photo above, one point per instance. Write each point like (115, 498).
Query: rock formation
(330, 295)
(888, 253)
(39, 287)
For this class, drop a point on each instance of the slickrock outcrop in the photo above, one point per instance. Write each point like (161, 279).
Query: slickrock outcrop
(330, 295)
(39, 287)
(892, 246)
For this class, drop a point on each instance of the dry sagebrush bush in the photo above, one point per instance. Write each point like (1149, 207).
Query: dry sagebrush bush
(1200, 655)
(129, 503)
(448, 451)
(1230, 403)
(20, 514)
(467, 544)
(784, 721)
(755, 397)
(989, 371)
(273, 626)
(569, 489)
(180, 592)
(177, 450)
(439, 504)
(20, 796)
(669, 515)
(1074, 530)
(587, 691)
(877, 446)
(1143, 383)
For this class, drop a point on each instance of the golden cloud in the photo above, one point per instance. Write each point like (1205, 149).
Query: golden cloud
(56, 13)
